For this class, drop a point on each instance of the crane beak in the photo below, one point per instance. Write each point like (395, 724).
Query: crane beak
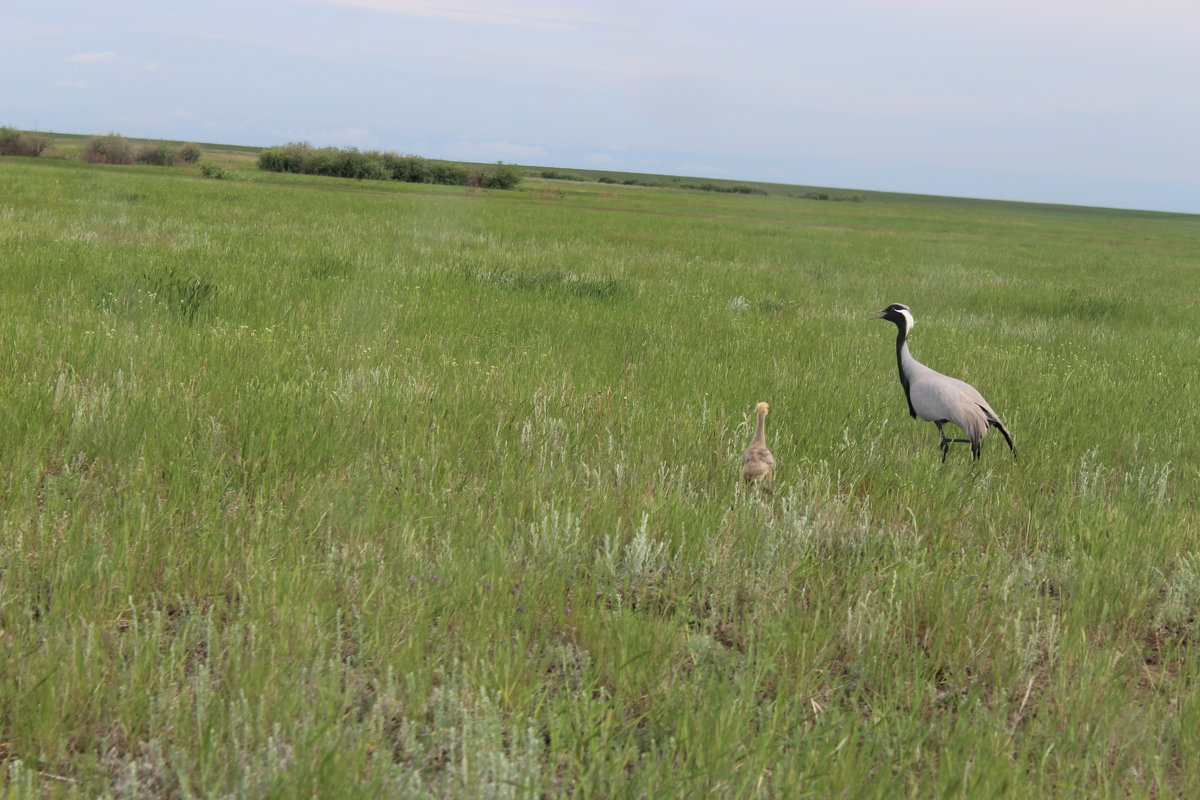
(877, 314)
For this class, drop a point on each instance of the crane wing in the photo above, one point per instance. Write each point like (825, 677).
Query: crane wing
(939, 398)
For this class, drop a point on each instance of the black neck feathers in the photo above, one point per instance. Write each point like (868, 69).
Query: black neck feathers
(901, 338)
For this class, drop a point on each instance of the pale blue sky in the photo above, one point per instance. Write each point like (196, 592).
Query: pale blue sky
(1090, 102)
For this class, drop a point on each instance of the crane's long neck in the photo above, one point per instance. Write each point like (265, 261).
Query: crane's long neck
(760, 430)
(904, 362)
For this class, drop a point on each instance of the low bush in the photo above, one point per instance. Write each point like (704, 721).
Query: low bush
(502, 176)
(350, 162)
(709, 186)
(155, 154)
(189, 153)
(846, 198)
(212, 171)
(15, 143)
(409, 169)
(448, 174)
(287, 158)
(556, 175)
(113, 148)
(8, 139)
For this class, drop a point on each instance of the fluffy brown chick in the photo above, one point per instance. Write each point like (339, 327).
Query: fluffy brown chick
(758, 465)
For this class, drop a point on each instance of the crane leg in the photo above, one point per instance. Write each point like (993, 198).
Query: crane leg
(945, 443)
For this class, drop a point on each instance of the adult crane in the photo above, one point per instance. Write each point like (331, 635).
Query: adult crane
(938, 398)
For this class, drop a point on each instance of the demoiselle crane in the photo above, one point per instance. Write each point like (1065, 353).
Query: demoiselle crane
(938, 398)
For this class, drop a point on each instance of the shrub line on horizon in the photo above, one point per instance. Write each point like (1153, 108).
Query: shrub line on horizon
(350, 162)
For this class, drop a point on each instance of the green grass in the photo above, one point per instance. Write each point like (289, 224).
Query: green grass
(315, 487)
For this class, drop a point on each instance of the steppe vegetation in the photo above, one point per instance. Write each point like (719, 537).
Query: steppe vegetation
(350, 162)
(326, 487)
(19, 143)
(113, 148)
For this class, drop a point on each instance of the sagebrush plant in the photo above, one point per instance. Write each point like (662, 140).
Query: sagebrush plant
(501, 176)
(189, 153)
(313, 487)
(156, 154)
(111, 148)
(16, 143)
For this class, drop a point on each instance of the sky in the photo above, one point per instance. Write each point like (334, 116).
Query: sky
(1083, 102)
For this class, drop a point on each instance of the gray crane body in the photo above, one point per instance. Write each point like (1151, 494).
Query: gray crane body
(938, 398)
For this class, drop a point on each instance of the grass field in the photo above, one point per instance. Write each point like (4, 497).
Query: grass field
(323, 488)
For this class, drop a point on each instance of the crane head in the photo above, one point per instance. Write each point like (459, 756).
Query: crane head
(897, 313)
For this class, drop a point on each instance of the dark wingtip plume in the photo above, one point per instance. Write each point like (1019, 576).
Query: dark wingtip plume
(1004, 432)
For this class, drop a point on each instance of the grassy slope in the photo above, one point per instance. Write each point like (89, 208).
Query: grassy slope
(322, 486)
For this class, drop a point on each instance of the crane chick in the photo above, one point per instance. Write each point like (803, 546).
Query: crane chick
(938, 398)
(758, 465)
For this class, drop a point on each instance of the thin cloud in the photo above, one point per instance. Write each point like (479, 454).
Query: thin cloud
(68, 84)
(114, 58)
(1114, 20)
(494, 151)
(529, 15)
(98, 57)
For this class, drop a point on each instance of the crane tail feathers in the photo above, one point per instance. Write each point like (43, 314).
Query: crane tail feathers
(994, 422)
(1007, 437)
